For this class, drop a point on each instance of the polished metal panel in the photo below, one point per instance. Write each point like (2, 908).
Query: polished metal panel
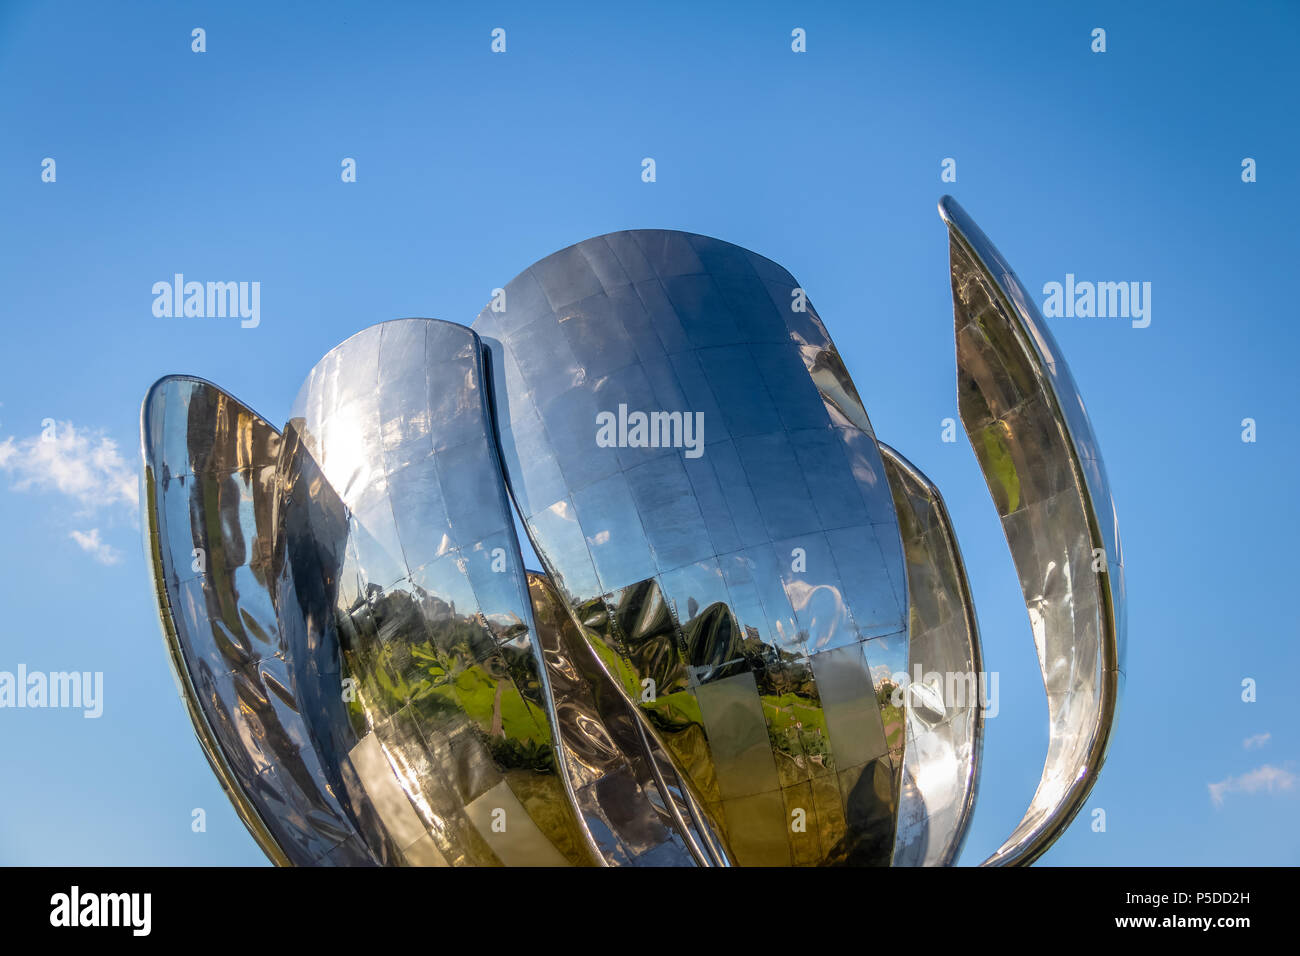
(734, 560)
(435, 632)
(754, 642)
(945, 716)
(421, 702)
(624, 784)
(209, 492)
(1030, 430)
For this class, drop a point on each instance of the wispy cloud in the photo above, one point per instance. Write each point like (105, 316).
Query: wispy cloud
(83, 464)
(1268, 779)
(89, 542)
(1257, 741)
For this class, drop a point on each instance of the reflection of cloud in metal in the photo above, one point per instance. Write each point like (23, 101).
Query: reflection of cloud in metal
(376, 678)
(776, 550)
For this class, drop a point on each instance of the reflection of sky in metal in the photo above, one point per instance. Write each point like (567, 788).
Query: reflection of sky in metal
(667, 321)
(210, 490)
(941, 759)
(409, 587)
(708, 673)
(1026, 421)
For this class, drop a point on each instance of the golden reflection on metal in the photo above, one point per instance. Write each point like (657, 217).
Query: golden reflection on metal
(1026, 421)
(209, 490)
(435, 634)
(748, 598)
(621, 778)
(945, 718)
(715, 667)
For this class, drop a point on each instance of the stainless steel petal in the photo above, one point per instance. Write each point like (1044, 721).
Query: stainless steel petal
(448, 726)
(728, 545)
(625, 786)
(1027, 423)
(945, 716)
(209, 491)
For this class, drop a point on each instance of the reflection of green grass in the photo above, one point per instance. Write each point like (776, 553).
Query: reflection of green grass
(617, 667)
(430, 660)
(796, 726)
(784, 712)
(673, 711)
(892, 719)
(476, 691)
(1002, 466)
(447, 687)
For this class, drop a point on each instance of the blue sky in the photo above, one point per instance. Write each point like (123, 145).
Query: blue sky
(225, 165)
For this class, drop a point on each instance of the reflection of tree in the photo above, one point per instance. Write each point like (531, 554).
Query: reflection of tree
(715, 643)
(636, 639)
(885, 692)
(511, 754)
(796, 724)
(407, 645)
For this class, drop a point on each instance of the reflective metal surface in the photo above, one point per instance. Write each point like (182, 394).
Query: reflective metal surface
(435, 631)
(753, 643)
(734, 559)
(623, 782)
(209, 488)
(945, 719)
(1027, 423)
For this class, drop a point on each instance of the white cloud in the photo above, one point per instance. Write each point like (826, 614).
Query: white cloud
(881, 673)
(1267, 778)
(1257, 741)
(90, 543)
(83, 464)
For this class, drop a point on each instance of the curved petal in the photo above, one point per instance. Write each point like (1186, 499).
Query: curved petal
(945, 716)
(435, 630)
(209, 492)
(1027, 423)
(624, 785)
(698, 475)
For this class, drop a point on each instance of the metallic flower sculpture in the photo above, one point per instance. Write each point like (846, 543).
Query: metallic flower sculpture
(737, 574)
